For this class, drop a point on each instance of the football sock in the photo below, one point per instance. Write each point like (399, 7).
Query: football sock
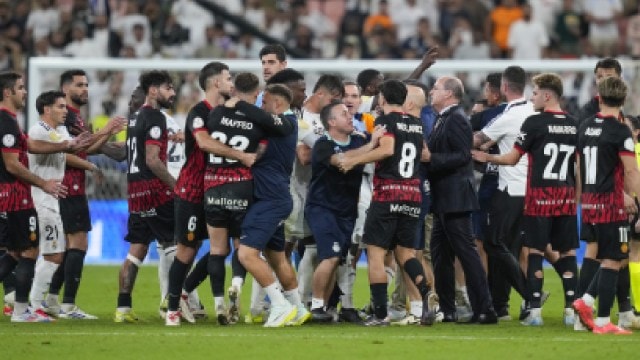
(317, 303)
(634, 273)
(217, 274)
(305, 272)
(237, 270)
(592, 289)
(9, 282)
(73, 274)
(197, 274)
(167, 255)
(622, 293)
(275, 294)
(124, 300)
(379, 295)
(587, 273)
(44, 270)
(293, 297)
(58, 277)
(568, 269)
(414, 269)
(415, 308)
(7, 265)
(391, 274)
(607, 286)
(334, 298)
(535, 283)
(346, 280)
(177, 273)
(24, 277)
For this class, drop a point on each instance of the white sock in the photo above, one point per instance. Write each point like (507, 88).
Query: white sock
(293, 297)
(237, 282)
(391, 274)
(346, 279)
(19, 308)
(602, 321)
(41, 281)
(275, 294)
(52, 299)
(317, 303)
(415, 308)
(589, 300)
(257, 296)
(193, 299)
(305, 273)
(219, 301)
(167, 255)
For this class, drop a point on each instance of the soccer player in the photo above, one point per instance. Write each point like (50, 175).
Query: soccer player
(634, 254)
(331, 206)
(16, 200)
(549, 139)
(393, 215)
(150, 185)
(262, 229)
(74, 209)
(369, 81)
(273, 58)
(607, 167)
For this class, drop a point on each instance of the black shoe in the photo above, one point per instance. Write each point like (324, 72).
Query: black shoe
(489, 317)
(428, 315)
(503, 314)
(449, 318)
(349, 315)
(320, 315)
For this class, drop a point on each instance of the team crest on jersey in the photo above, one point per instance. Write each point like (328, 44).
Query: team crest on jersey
(198, 123)
(521, 137)
(629, 145)
(54, 136)
(8, 140)
(155, 132)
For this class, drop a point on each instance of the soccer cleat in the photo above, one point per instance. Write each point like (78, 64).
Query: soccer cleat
(199, 312)
(609, 328)
(628, 320)
(577, 324)
(172, 318)
(373, 320)
(280, 315)
(185, 311)
(164, 306)
(7, 310)
(30, 316)
(585, 313)
(74, 312)
(222, 314)
(234, 304)
(428, 316)
(302, 316)
(408, 320)
(10, 298)
(524, 308)
(534, 318)
(320, 315)
(255, 317)
(125, 316)
(569, 317)
(349, 315)
(503, 314)
(51, 308)
(395, 314)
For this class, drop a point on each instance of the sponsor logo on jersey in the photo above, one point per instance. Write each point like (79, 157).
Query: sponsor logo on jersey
(198, 123)
(404, 209)
(155, 132)
(629, 145)
(8, 140)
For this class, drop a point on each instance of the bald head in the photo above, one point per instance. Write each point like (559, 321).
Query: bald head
(415, 101)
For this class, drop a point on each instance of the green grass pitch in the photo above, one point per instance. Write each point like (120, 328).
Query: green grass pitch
(150, 339)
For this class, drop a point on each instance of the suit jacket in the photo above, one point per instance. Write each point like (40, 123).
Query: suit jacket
(450, 170)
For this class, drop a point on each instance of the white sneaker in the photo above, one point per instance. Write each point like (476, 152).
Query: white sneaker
(534, 318)
(569, 317)
(31, 316)
(51, 308)
(74, 312)
(396, 314)
(172, 318)
(302, 316)
(185, 311)
(280, 315)
(222, 314)
(10, 298)
(234, 304)
(627, 320)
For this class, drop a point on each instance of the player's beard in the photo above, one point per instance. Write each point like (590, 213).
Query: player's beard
(79, 100)
(166, 103)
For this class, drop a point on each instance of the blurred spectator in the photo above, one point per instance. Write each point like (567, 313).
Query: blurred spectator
(321, 30)
(140, 42)
(405, 16)
(351, 36)
(478, 48)
(603, 29)
(381, 19)
(10, 55)
(126, 18)
(254, 13)
(217, 44)
(545, 12)
(633, 35)
(101, 36)
(57, 43)
(278, 23)
(248, 47)
(42, 20)
(302, 39)
(174, 38)
(498, 24)
(193, 17)
(451, 9)
(350, 48)
(422, 41)
(80, 45)
(568, 30)
(527, 37)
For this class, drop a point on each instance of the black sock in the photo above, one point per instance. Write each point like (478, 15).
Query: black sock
(197, 275)
(606, 291)
(177, 273)
(237, 270)
(24, 279)
(124, 300)
(7, 264)
(535, 283)
(58, 277)
(334, 299)
(379, 295)
(217, 274)
(624, 289)
(72, 274)
(414, 269)
(9, 282)
(587, 273)
(567, 267)
(592, 289)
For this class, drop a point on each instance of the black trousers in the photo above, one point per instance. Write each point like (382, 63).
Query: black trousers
(451, 237)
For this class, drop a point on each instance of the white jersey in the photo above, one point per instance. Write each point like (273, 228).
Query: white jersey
(47, 166)
(175, 151)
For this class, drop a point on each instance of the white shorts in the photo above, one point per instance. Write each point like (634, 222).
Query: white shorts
(52, 238)
(295, 227)
(366, 191)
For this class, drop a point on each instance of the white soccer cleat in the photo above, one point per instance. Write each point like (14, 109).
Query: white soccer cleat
(51, 308)
(172, 318)
(74, 312)
(534, 318)
(569, 317)
(408, 320)
(185, 311)
(628, 320)
(302, 316)
(280, 315)
(30, 316)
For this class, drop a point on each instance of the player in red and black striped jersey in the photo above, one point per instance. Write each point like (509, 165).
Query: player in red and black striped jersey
(549, 140)
(607, 168)
(150, 185)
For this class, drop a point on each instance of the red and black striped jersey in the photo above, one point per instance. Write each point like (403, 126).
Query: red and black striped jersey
(74, 178)
(14, 193)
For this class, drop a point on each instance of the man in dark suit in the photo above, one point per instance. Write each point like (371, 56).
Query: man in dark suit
(454, 198)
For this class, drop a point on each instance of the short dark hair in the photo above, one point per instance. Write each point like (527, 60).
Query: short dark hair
(8, 81)
(48, 98)
(609, 63)
(549, 81)
(634, 120)
(136, 100)
(494, 80)
(325, 113)
(394, 92)
(276, 49)
(366, 76)
(285, 76)
(612, 91)
(154, 78)
(280, 90)
(330, 82)
(67, 76)
(211, 69)
(246, 82)
(515, 78)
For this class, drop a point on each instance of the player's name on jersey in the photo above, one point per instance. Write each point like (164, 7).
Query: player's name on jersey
(562, 129)
(404, 209)
(593, 131)
(240, 124)
(409, 128)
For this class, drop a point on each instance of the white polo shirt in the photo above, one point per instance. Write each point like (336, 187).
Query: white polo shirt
(504, 130)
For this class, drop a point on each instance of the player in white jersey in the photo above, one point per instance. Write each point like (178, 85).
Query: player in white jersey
(52, 108)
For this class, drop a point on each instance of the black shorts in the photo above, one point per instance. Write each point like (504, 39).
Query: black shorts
(559, 231)
(504, 224)
(23, 233)
(155, 224)
(225, 206)
(190, 226)
(612, 238)
(74, 211)
(263, 227)
(387, 227)
(4, 231)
